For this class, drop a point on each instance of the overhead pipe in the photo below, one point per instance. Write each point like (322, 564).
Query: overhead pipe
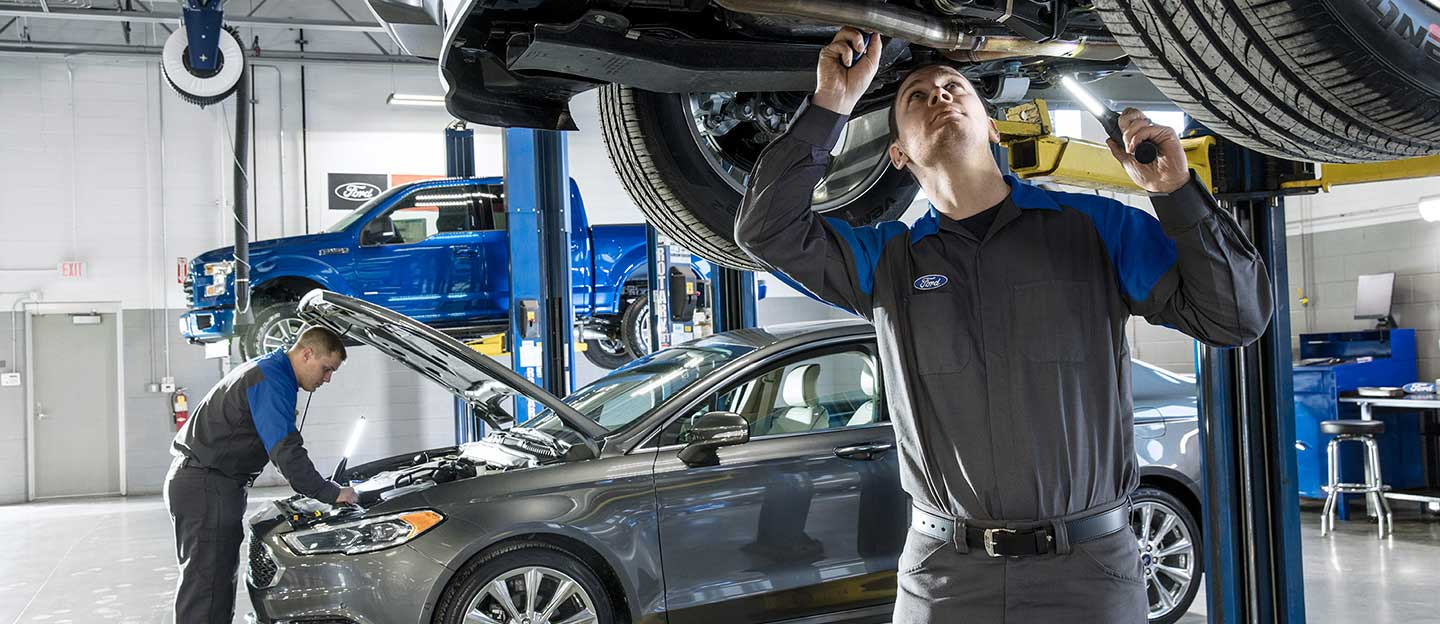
(150, 53)
(898, 22)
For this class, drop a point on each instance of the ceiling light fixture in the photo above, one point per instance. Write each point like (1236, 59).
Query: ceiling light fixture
(410, 99)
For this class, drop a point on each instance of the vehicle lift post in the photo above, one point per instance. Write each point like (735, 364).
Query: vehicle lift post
(537, 199)
(1251, 498)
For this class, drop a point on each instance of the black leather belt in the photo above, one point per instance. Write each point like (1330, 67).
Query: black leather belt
(1038, 540)
(189, 462)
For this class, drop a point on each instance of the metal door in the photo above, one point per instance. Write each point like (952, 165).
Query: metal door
(75, 405)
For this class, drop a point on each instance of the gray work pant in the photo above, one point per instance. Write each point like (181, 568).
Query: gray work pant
(207, 509)
(1096, 582)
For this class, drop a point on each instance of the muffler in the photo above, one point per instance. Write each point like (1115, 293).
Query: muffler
(927, 30)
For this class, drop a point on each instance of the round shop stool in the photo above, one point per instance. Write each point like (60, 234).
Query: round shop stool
(1363, 431)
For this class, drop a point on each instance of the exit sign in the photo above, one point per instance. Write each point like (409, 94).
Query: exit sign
(72, 268)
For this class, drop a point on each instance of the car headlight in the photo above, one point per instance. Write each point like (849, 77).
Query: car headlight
(215, 289)
(362, 536)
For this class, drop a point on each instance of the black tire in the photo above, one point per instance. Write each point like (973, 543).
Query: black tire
(1161, 499)
(608, 354)
(655, 154)
(476, 575)
(274, 317)
(635, 327)
(1322, 80)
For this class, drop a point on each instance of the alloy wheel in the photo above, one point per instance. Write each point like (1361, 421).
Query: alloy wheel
(281, 335)
(1167, 555)
(532, 595)
(732, 128)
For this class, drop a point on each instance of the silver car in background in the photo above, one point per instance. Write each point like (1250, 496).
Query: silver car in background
(749, 476)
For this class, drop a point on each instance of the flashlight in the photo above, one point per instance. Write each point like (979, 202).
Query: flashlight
(1145, 152)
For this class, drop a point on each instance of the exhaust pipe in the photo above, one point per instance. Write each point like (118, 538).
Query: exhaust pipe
(927, 30)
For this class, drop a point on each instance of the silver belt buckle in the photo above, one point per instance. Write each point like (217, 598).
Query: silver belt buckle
(990, 541)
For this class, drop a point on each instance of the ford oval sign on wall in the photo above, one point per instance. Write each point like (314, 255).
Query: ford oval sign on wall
(931, 281)
(349, 190)
(357, 191)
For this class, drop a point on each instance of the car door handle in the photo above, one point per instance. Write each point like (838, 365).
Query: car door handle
(462, 251)
(867, 451)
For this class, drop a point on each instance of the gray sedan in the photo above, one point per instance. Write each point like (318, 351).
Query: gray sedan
(746, 477)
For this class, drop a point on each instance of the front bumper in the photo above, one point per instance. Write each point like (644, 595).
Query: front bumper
(208, 324)
(385, 587)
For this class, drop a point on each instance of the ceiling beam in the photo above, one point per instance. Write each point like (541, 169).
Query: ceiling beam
(174, 18)
(152, 53)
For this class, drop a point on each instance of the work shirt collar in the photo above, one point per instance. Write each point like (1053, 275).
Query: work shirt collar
(1023, 196)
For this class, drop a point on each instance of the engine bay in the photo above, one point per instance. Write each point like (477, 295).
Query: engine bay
(382, 480)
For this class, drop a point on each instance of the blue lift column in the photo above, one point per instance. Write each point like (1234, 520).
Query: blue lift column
(1251, 503)
(537, 199)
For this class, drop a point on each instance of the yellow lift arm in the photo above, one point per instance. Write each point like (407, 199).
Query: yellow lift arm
(1037, 155)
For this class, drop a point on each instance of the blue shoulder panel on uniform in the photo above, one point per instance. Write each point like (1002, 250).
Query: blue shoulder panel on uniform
(272, 400)
(865, 245)
(1138, 247)
(925, 225)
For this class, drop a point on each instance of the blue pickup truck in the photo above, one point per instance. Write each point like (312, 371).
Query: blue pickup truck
(436, 251)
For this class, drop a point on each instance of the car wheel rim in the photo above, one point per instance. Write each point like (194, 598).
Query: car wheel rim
(281, 335)
(532, 595)
(610, 346)
(1167, 555)
(731, 128)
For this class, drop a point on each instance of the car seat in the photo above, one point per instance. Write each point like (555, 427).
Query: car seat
(865, 414)
(802, 410)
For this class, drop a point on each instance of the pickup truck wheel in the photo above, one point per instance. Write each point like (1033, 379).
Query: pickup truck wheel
(684, 158)
(607, 353)
(635, 327)
(276, 327)
(1310, 80)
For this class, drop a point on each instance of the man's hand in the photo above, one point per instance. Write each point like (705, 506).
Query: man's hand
(847, 65)
(1169, 172)
(347, 497)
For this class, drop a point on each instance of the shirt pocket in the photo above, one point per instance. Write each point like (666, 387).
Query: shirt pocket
(937, 332)
(1049, 320)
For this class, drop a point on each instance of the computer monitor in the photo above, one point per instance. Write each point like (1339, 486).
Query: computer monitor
(1372, 297)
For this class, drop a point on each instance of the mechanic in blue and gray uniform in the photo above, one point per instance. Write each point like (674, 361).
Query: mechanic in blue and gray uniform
(1001, 322)
(246, 420)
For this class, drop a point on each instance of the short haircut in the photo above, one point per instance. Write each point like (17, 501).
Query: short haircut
(990, 108)
(322, 341)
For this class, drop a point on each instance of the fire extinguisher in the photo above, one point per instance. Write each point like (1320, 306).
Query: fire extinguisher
(179, 407)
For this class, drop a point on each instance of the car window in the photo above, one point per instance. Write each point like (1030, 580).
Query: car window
(427, 212)
(817, 393)
(634, 390)
(490, 207)
(1150, 384)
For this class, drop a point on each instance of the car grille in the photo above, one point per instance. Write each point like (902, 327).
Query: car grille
(189, 288)
(262, 566)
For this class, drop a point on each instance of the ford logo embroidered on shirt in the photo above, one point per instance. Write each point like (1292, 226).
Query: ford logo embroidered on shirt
(930, 282)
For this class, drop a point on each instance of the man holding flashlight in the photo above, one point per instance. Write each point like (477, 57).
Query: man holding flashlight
(1001, 319)
(246, 420)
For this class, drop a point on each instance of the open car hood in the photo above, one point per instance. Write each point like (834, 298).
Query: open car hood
(473, 377)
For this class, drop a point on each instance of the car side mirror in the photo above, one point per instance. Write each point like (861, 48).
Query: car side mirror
(710, 432)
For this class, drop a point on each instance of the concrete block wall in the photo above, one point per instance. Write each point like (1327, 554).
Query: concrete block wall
(1325, 266)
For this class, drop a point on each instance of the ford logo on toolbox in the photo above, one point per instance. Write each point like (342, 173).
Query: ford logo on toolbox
(931, 281)
(357, 191)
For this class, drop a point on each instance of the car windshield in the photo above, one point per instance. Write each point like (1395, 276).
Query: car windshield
(350, 219)
(634, 390)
